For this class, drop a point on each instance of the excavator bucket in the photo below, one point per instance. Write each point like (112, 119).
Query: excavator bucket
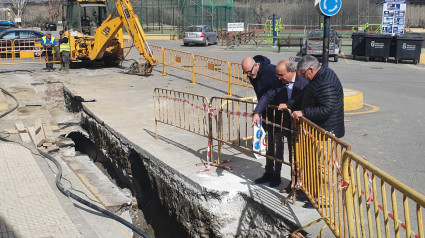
(140, 69)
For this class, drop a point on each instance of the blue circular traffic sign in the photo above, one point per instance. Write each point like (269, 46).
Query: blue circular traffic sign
(330, 7)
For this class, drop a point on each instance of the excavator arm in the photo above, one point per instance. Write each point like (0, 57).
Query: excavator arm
(107, 31)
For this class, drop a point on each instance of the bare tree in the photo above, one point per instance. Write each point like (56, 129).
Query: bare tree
(55, 9)
(18, 7)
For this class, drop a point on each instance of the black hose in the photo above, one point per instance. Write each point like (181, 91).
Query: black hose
(69, 193)
(87, 203)
(14, 107)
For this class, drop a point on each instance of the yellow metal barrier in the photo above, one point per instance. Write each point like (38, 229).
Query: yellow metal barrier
(23, 51)
(233, 124)
(159, 54)
(186, 111)
(319, 154)
(214, 68)
(369, 213)
(180, 60)
(238, 78)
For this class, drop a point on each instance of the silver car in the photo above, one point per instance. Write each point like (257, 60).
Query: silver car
(201, 35)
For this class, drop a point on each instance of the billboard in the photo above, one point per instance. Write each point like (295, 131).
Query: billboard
(393, 16)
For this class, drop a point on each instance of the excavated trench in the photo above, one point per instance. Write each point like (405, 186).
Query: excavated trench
(118, 161)
(168, 203)
(149, 215)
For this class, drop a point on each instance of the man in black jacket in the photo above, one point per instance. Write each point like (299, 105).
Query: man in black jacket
(292, 85)
(322, 100)
(262, 75)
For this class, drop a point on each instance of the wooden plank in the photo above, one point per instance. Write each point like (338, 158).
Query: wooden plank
(39, 133)
(31, 131)
(11, 131)
(48, 133)
(20, 126)
(25, 137)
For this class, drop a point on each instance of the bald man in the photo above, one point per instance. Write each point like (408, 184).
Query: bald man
(292, 85)
(262, 75)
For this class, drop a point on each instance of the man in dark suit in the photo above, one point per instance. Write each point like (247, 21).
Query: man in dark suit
(292, 84)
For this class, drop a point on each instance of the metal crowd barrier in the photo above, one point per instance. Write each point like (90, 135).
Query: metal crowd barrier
(158, 53)
(233, 125)
(23, 51)
(319, 154)
(369, 211)
(217, 69)
(186, 111)
(238, 78)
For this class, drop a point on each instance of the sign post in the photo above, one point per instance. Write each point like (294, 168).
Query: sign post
(237, 27)
(327, 8)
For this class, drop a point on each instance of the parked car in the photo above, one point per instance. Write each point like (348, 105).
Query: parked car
(314, 44)
(4, 25)
(48, 26)
(201, 35)
(8, 36)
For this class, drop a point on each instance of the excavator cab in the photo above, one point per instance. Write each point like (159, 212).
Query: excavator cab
(86, 16)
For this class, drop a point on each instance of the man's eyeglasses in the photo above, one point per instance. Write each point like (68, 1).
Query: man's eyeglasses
(250, 72)
(303, 74)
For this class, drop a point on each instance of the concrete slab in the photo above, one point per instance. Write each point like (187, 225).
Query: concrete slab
(98, 184)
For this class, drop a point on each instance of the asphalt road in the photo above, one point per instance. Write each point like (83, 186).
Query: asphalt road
(392, 137)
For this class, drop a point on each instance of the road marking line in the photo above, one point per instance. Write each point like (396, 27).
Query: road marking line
(345, 58)
(374, 109)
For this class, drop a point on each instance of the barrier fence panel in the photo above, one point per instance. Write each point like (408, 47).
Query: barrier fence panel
(372, 202)
(183, 110)
(319, 155)
(180, 60)
(238, 78)
(158, 53)
(217, 69)
(6, 52)
(232, 125)
(24, 51)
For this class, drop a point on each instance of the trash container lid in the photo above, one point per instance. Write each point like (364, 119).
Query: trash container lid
(376, 35)
(410, 37)
(358, 34)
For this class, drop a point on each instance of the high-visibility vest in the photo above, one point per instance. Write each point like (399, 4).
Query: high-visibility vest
(44, 38)
(64, 46)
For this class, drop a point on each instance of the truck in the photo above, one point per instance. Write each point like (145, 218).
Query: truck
(94, 35)
(314, 44)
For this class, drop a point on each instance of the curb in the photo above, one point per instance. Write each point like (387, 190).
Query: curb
(353, 100)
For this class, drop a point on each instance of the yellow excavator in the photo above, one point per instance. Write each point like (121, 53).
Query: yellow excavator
(95, 35)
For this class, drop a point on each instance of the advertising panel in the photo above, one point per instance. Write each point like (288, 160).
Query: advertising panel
(393, 16)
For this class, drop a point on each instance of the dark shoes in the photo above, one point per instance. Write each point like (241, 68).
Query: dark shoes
(286, 189)
(273, 179)
(264, 179)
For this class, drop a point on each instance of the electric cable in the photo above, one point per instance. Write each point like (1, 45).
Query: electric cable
(66, 191)
(87, 203)
(14, 107)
